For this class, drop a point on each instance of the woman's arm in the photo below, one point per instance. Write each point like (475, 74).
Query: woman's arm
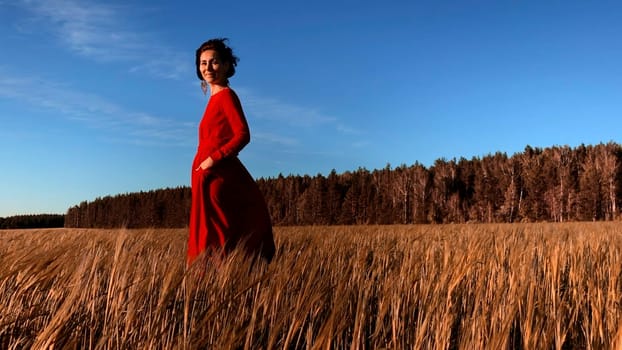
(232, 108)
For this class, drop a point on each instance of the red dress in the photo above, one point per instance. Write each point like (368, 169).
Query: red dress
(227, 207)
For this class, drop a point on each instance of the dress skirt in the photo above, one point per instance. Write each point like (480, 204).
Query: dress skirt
(228, 210)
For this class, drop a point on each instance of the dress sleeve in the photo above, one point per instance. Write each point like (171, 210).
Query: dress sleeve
(232, 109)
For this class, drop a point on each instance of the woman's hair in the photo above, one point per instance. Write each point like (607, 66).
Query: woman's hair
(224, 53)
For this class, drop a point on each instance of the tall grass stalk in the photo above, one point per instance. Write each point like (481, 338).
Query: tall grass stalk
(520, 286)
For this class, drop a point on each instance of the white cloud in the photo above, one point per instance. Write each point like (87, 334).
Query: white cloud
(348, 129)
(104, 33)
(268, 108)
(272, 109)
(95, 111)
(274, 139)
(283, 119)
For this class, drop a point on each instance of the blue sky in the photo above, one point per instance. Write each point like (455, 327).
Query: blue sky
(100, 97)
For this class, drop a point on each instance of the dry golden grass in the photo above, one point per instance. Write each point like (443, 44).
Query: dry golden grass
(532, 286)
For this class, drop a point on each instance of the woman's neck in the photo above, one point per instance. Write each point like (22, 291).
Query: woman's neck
(216, 88)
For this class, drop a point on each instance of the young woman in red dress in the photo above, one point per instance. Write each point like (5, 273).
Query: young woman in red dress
(228, 210)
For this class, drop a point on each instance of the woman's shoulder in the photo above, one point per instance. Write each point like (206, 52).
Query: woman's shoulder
(228, 94)
(227, 91)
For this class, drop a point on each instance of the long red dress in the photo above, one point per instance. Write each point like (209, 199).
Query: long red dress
(228, 208)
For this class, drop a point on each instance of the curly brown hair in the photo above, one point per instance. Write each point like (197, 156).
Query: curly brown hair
(225, 53)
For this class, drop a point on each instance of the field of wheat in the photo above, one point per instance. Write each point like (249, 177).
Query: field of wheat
(518, 286)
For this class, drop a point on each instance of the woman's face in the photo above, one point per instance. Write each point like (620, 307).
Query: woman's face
(214, 71)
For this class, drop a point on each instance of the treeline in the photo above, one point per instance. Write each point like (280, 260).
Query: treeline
(168, 207)
(553, 184)
(32, 221)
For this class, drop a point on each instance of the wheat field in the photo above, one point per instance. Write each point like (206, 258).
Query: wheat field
(510, 286)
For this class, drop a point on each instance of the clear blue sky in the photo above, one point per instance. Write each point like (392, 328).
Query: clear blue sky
(100, 97)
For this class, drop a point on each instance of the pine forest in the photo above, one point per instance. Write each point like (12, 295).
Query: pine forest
(555, 184)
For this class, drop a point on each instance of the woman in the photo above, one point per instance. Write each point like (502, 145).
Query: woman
(227, 207)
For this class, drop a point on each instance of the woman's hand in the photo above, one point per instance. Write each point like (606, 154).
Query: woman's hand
(206, 164)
